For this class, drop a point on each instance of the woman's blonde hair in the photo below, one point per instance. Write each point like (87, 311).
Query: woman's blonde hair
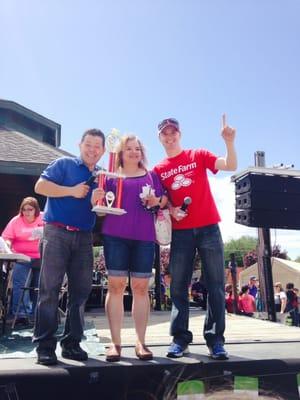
(278, 284)
(124, 140)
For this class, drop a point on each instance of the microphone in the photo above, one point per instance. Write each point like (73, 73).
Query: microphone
(91, 179)
(186, 202)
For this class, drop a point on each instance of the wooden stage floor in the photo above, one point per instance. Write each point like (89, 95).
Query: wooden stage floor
(266, 350)
(238, 328)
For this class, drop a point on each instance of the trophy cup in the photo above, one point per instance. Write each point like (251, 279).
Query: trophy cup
(111, 204)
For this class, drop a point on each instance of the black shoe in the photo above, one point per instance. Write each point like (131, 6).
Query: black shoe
(46, 357)
(74, 352)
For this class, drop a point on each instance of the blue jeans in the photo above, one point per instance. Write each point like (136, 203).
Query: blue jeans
(123, 255)
(19, 276)
(207, 240)
(63, 252)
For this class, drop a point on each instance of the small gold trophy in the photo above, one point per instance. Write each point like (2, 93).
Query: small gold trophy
(111, 204)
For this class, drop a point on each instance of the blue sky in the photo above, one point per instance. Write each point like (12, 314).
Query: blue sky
(128, 64)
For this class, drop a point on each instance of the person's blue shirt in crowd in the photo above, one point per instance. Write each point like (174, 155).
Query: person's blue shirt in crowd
(253, 291)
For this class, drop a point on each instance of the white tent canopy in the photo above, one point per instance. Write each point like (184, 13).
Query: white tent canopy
(284, 271)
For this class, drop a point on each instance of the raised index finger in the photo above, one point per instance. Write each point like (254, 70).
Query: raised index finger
(223, 120)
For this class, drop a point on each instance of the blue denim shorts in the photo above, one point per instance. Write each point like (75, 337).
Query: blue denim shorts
(126, 255)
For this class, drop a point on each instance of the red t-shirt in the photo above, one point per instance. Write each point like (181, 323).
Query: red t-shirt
(247, 303)
(185, 175)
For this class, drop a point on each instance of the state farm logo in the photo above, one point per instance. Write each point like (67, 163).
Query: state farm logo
(186, 168)
(180, 181)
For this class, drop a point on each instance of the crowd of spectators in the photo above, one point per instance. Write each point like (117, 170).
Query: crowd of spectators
(287, 301)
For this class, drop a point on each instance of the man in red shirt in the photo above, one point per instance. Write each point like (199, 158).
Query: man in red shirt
(183, 174)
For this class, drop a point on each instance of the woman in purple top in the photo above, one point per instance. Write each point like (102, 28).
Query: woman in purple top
(129, 245)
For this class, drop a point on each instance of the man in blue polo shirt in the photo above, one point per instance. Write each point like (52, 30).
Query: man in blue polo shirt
(252, 286)
(67, 247)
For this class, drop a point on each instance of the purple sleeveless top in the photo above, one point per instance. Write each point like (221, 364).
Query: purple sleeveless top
(137, 223)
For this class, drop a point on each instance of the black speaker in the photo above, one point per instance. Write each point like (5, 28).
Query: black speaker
(264, 200)
(267, 183)
(268, 201)
(268, 218)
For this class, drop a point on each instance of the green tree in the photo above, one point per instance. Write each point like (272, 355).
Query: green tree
(277, 252)
(251, 257)
(239, 247)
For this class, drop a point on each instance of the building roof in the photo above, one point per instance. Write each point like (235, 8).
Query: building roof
(23, 112)
(15, 146)
(21, 152)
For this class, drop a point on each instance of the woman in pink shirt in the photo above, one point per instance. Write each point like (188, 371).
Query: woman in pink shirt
(22, 234)
(246, 302)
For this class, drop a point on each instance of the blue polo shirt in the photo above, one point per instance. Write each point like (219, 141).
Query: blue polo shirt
(67, 171)
(253, 291)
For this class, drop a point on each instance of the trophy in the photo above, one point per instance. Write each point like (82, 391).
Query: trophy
(111, 204)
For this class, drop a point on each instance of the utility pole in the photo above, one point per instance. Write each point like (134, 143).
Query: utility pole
(264, 254)
(232, 266)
